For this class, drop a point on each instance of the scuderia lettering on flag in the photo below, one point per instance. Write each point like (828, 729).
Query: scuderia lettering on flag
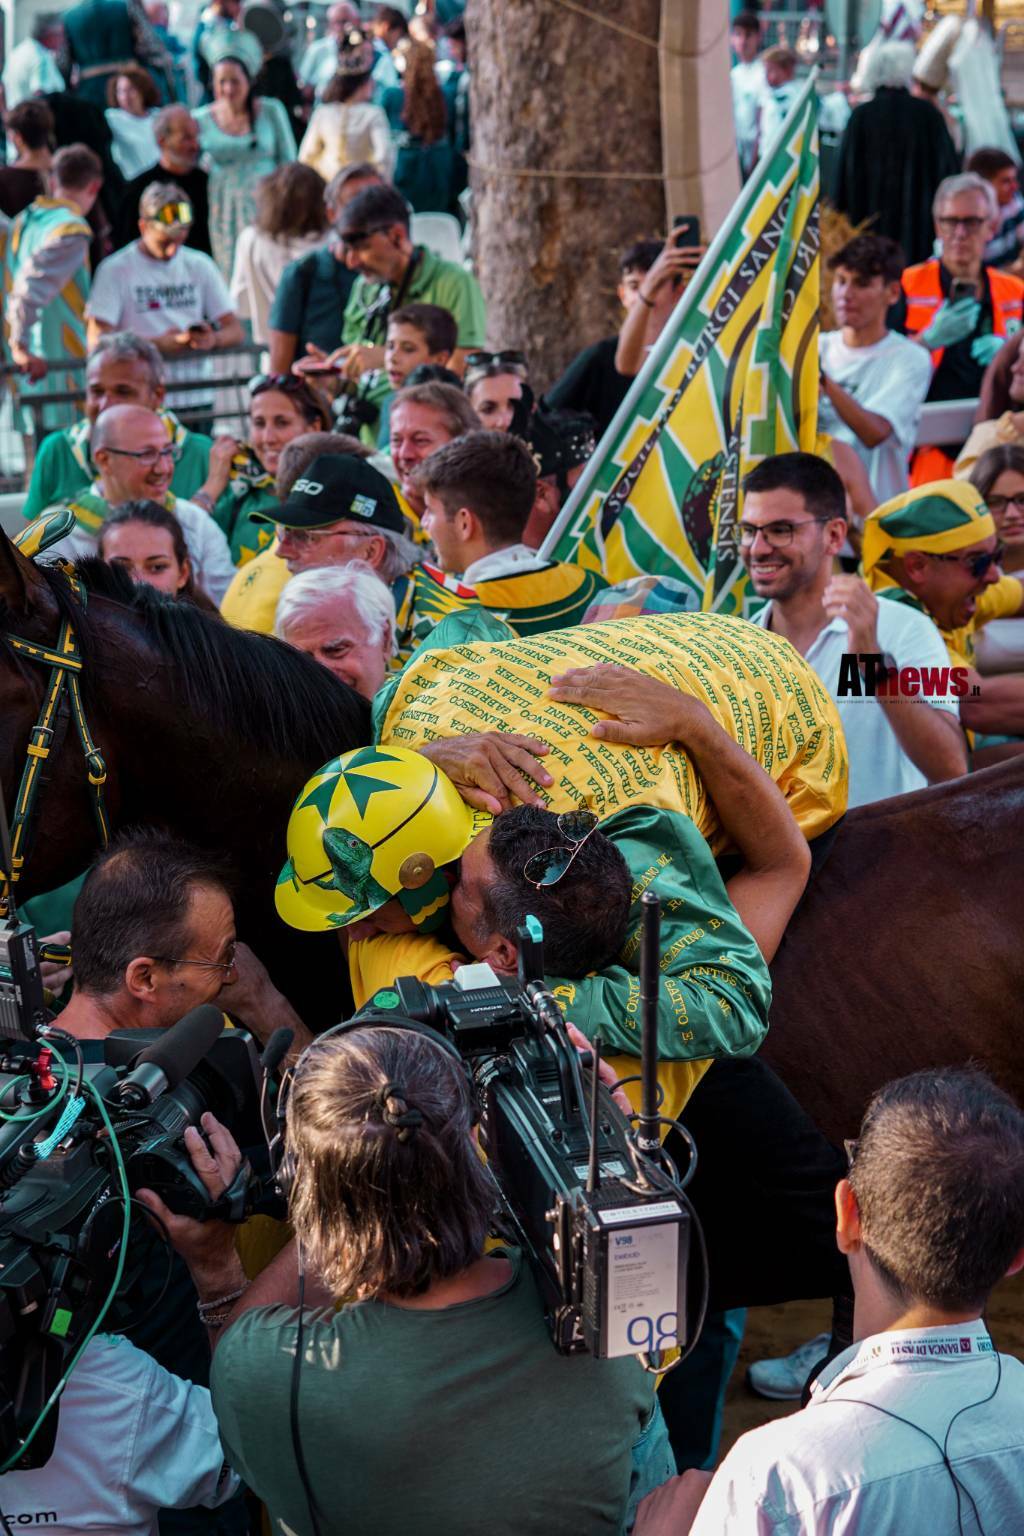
(731, 380)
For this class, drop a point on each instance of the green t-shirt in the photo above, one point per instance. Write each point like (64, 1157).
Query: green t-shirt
(419, 1423)
(63, 468)
(435, 281)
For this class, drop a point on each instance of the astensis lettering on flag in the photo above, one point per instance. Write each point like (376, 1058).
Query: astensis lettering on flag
(732, 379)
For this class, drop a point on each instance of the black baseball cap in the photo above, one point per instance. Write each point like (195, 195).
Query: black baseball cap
(336, 486)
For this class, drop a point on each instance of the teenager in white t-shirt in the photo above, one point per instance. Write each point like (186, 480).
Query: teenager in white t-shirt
(792, 526)
(156, 287)
(748, 86)
(873, 382)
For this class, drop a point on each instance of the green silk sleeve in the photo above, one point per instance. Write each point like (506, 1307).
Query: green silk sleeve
(715, 991)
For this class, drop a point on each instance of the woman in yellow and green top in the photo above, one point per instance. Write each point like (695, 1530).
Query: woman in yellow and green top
(242, 475)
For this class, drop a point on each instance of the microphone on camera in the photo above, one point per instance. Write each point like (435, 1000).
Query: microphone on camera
(169, 1060)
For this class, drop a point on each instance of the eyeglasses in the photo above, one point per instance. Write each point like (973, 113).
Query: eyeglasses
(949, 224)
(776, 535)
(977, 565)
(547, 867)
(1000, 503)
(207, 965)
(301, 536)
(150, 457)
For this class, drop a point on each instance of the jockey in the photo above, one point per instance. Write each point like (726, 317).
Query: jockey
(661, 809)
(935, 548)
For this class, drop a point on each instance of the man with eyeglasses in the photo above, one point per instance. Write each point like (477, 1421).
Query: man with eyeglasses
(153, 933)
(135, 461)
(792, 527)
(374, 233)
(158, 288)
(958, 307)
(936, 549)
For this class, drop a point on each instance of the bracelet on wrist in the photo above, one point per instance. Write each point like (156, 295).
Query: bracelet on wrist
(646, 302)
(203, 499)
(215, 1312)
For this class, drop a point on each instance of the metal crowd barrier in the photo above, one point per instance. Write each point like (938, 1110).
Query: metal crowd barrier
(221, 403)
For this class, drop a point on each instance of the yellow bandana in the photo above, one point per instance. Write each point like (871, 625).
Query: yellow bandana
(938, 518)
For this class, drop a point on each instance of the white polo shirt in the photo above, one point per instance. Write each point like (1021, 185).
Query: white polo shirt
(843, 1468)
(131, 1440)
(879, 767)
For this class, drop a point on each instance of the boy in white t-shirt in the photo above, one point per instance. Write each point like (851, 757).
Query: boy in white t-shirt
(748, 86)
(159, 289)
(873, 381)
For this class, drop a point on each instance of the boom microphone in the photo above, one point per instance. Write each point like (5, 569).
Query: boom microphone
(169, 1060)
(277, 1048)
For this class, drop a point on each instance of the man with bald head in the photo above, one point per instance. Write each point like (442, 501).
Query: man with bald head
(319, 63)
(134, 456)
(177, 139)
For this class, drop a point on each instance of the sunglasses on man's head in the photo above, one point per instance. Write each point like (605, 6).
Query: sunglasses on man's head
(547, 867)
(172, 213)
(354, 238)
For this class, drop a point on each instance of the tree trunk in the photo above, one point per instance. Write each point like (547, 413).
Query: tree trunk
(555, 90)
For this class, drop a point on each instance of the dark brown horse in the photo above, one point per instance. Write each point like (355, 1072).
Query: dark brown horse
(204, 729)
(906, 951)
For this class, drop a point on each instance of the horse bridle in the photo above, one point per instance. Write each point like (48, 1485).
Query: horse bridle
(65, 663)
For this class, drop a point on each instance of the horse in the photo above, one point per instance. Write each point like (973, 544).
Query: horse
(905, 951)
(204, 729)
(903, 954)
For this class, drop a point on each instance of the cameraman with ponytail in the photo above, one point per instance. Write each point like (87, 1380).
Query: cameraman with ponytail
(434, 1392)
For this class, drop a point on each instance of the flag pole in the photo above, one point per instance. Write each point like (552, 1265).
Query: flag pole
(668, 340)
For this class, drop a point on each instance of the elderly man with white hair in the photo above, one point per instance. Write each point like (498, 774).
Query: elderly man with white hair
(958, 307)
(344, 617)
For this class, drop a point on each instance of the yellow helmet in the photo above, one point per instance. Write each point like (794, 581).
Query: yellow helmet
(375, 823)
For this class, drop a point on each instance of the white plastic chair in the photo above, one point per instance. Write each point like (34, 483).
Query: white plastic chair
(439, 232)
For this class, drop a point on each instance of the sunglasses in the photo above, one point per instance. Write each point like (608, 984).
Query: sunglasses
(172, 213)
(485, 359)
(547, 867)
(977, 565)
(352, 239)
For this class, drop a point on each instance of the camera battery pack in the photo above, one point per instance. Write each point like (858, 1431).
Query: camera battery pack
(634, 1275)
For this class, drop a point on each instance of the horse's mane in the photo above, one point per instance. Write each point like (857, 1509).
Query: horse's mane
(248, 686)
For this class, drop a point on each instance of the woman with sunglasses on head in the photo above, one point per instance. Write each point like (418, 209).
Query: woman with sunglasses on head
(494, 383)
(240, 482)
(245, 137)
(145, 541)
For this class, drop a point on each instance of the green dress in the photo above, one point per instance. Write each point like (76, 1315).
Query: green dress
(423, 172)
(237, 162)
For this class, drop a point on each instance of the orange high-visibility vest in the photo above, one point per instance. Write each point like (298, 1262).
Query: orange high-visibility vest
(923, 291)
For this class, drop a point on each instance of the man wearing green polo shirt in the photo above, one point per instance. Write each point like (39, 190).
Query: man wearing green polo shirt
(374, 233)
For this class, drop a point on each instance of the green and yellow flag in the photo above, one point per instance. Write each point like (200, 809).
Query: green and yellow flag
(732, 379)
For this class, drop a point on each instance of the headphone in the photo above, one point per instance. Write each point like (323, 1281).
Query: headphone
(379, 1018)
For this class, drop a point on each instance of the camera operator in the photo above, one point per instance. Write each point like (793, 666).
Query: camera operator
(132, 1440)
(435, 1394)
(919, 1425)
(153, 936)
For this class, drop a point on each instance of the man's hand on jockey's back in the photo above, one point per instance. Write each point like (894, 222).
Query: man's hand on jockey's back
(492, 770)
(751, 808)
